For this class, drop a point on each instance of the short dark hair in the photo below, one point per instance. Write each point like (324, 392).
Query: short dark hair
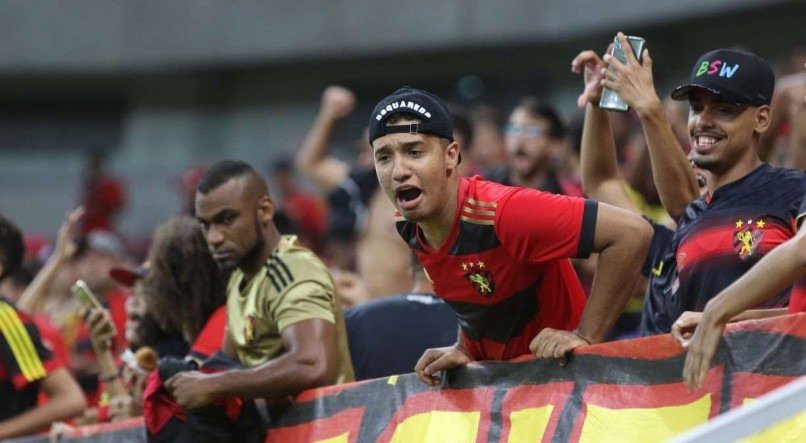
(24, 275)
(12, 247)
(546, 112)
(221, 172)
(283, 164)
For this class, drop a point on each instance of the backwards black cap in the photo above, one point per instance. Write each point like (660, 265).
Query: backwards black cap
(428, 108)
(735, 76)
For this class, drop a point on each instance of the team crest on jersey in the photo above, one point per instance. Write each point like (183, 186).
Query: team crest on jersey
(249, 329)
(747, 237)
(480, 278)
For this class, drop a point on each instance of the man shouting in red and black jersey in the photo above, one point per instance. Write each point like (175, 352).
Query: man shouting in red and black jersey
(499, 255)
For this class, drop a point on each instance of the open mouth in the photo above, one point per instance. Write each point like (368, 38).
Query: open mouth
(408, 196)
(706, 142)
(133, 321)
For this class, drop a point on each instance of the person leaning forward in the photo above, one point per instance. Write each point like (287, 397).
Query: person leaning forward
(284, 321)
(499, 255)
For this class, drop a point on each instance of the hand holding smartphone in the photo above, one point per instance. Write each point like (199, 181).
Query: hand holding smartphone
(85, 296)
(610, 99)
(102, 329)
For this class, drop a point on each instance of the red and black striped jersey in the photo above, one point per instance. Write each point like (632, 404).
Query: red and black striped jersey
(504, 268)
(24, 361)
(721, 236)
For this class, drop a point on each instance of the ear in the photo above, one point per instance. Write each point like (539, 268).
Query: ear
(452, 156)
(265, 210)
(763, 118)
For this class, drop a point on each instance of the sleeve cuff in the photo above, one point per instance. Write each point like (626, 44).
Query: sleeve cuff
(588, 229)
(286, 322)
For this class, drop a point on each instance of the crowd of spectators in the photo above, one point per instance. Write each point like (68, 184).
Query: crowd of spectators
(333, 276)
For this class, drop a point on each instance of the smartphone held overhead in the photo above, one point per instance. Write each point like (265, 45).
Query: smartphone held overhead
(610, 99)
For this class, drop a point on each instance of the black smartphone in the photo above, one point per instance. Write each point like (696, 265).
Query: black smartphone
(610, 99)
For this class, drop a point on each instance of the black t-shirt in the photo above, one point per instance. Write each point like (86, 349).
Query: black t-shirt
(662, 303)
(387, 336)
(802, 213)
(661, 241)
(348, 203)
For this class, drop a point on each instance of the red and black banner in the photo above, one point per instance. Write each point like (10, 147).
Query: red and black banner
(629, 390)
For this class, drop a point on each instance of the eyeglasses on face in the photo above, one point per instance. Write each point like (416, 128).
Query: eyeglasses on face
(525, 131)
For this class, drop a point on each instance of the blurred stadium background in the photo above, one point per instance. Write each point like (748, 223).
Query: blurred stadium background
(161, 85)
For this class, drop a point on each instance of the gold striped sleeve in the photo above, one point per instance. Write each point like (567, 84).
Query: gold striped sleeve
(478, 211)
(481, 203)
(22, 347)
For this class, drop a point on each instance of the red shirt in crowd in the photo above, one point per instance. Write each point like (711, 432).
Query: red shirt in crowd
(505, 268)
(209, 340)
(24, 361)
(308, 212)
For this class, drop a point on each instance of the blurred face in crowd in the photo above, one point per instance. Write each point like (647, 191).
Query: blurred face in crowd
(231, 217)
(488, 144)
(414, 171)
(723, 134)
(135, 309)
(93, 267)
(11, 289)
(285, 181)
(529, 146)
(364, 156)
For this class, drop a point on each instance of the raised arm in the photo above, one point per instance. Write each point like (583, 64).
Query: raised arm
(34, 296)
(674, 178)
(793, 97)
(102, 333)
(314, 159)
(786, 100)
(600, 178)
